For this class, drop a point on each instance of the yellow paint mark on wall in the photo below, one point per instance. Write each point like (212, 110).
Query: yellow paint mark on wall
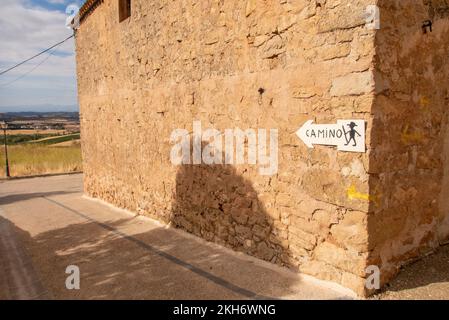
(410, 137)
(353, 194)
(424, 103)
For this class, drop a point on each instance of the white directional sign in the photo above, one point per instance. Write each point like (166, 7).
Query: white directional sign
(346, 135)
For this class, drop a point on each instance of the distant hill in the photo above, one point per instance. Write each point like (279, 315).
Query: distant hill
(40, 108)
(32, 115)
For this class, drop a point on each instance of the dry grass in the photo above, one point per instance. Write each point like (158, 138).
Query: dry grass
(25, 160)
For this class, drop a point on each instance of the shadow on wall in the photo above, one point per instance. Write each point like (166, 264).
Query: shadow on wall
(425, 279)
(410, 121)
(215, 203)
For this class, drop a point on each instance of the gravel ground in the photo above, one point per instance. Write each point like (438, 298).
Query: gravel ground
(426, 279)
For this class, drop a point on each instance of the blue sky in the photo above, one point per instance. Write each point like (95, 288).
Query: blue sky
(28, 27)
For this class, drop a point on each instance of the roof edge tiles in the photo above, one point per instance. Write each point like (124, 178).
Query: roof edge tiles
(88, 7)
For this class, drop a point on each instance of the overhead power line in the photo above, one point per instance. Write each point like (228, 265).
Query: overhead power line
(27, 73)
(36, 55)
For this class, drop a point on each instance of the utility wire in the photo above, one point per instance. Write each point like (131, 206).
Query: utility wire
(35, 56)
(27, 73)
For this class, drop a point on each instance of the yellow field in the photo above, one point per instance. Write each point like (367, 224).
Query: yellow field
(28, 159)
(70, 143)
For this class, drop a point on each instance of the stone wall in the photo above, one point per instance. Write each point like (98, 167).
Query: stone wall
(409, 152)
(253, 64)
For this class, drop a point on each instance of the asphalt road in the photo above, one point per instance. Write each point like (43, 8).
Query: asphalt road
(47, 225)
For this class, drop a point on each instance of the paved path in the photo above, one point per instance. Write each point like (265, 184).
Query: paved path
(46, 225)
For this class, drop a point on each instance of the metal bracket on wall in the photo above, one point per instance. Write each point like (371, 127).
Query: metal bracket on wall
(427, 24)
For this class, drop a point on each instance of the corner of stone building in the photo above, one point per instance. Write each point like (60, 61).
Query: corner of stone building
(409, 139)
(328, 214)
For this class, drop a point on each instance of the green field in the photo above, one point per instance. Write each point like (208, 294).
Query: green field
(59, 139)
(23, 138)
(41, 158)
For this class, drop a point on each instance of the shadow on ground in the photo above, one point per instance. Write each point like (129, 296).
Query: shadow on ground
(160, 264)
(29, 196)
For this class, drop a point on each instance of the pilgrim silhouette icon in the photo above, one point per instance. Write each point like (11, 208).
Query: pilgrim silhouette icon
(352, 132)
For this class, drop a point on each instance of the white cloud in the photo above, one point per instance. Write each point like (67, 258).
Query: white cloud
(27, 29)
(56, 1)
